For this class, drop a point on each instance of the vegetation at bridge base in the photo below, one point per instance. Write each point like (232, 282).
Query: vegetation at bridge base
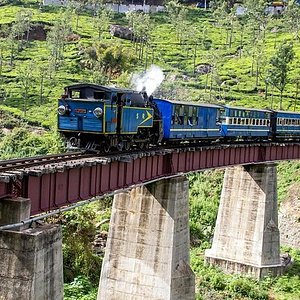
(204, 192)
(211, 283)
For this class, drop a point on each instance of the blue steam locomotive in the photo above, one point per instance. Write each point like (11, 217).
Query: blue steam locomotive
(101, 118)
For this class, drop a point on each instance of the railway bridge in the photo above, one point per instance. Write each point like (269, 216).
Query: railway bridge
(147, 254)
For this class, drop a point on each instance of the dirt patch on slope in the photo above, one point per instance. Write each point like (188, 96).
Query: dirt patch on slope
(289, 218)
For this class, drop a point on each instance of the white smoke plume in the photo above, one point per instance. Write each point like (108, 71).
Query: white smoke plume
(148, 81)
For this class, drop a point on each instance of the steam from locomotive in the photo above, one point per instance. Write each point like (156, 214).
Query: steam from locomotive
(148, 81)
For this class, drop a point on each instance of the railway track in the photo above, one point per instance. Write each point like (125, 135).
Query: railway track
(13, 164)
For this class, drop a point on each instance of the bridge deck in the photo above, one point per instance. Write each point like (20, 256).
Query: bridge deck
(54, 186)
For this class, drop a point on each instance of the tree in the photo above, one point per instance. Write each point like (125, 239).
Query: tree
(178, 18)
(280, 66)
(56, 38)
(215, 4)
(225, 18)
(25, 76)
(42, 70)
(107, 59)
(22, 26)
(292, 18)
(140, 25)
(102, 20)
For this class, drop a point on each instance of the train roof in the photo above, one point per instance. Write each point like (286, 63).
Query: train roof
(190, 103)
(99, 87)
(287, 112)
(246, 108)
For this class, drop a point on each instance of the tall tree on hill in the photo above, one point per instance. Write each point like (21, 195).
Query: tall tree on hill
(56, 39)
(11, 41)
(141, 28)
(215, 4)
(26, 79)
(101, 21)
(280, 66)
(79, 7)
(292, 18)
(225, 18)
(258, 19)
(178, 18)
(257, 22)
(22, 26)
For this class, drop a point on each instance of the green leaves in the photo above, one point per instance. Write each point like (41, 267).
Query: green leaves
(280, 66)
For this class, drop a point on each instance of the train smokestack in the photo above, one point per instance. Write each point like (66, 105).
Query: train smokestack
(148, 81)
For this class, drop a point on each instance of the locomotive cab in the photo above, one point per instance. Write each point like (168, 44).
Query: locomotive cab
(93, 116)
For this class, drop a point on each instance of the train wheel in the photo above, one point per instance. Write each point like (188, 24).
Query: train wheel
(106, 148)
(120, 146)
(141, 145)
(127, 145)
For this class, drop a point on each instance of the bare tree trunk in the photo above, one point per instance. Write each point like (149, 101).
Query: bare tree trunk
(241, 40)
(152, 61)
(272, 98)
(252, 64)
(280, 105)
(296, 96)
(195, 55)
(257, 72)
(41, 88)
(231, 34)
(266, 90)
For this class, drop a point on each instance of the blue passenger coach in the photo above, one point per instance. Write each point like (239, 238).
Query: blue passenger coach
(287, 123)
(245, 122)
(188, 121)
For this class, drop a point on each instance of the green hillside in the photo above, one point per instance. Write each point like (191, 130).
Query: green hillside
(206, 56)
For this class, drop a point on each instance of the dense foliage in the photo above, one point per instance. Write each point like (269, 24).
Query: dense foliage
(213, 56)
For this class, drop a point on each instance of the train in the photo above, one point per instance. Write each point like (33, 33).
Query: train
(102, 118)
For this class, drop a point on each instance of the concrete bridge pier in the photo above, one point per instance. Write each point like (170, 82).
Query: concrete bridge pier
(31, 265)
(246, 238)
(147, 254)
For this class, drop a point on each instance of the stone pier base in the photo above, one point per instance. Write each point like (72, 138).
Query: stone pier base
(246, 238)
(147, 255)
(31, 264)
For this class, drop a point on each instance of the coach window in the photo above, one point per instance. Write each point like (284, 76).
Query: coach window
(75, 94)
(176, 115)
(195, 115)
(186, 115)
(99, 95)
